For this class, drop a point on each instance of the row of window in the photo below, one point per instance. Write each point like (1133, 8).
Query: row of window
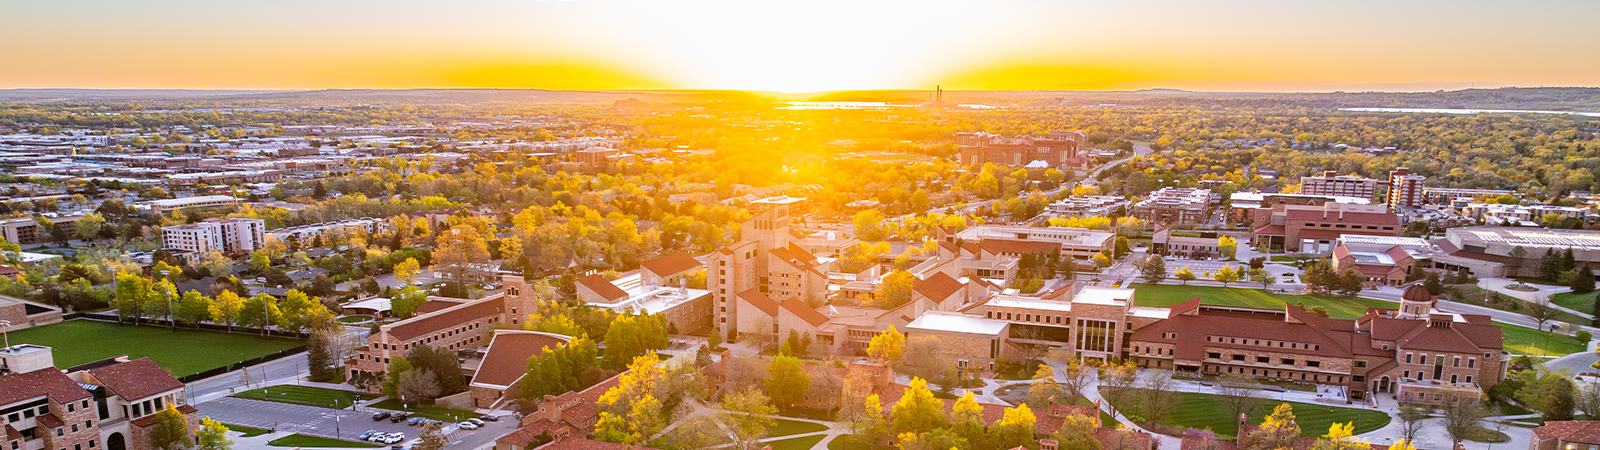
(1279, 374)
(1025, 317)
(1421, 375)
(1264, 343)
(1265, 359)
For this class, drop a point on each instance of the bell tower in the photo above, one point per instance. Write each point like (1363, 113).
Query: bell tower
(1416, 302)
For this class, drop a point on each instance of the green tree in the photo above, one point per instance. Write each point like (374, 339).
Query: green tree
(1078, 433)
(405, 304)
(1583, 280)
(397, 369)
(193, 308)
(260, 311)
(632, 336)
(88, 226)
(1261, 276)
(430, 438)
(749, 414)
(1433, 284)
(1154, 269)
(786, 382)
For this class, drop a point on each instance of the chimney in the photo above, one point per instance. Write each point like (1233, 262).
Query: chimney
(1049, 444)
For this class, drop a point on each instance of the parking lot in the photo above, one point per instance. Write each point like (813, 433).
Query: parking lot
(317, 421)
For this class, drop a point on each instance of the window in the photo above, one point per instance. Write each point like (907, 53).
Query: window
(1470, 362)
(1422, 359)
(1214, 355)
(1310, 363)
(1456, 362)
(1238, 357)
(1406, 374)
(1408, 358)
(1358, 379)
(1361, 363)
(1286, 361)
(1469, 378)
(1263, 359)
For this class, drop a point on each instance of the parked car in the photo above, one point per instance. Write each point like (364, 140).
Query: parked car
(395, 438)
(476, 422)
(397, 417)
(380, 415)
(468, 426)
(490, 417)
(366, 435)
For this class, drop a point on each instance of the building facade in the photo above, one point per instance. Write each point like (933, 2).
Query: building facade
(104, 405)
(1171, 206)
(1331, 183)
(221, 235)
(1405, 188)
(1056, 149)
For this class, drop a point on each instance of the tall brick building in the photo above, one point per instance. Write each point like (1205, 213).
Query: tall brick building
(1405, 188)
(104, 405)
(1331, 183)
(1057, 149)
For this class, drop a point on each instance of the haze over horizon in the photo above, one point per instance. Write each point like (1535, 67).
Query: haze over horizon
(786, 46)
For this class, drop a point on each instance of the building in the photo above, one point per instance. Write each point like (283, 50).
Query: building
(163, 206)
(1089, 206)
(1566, 435)
(1243, 206)
(1521, 215)
(1316, 229)
(1416, 353)
(1333, 184)
(305, 233)
(993, 242)
(1405, 188)
(26, 230)
(765, 262)
(20, 313)
(1205, 246)
(1446, 195)
(1171, 206)
(1056, 149)
(1512, 251)
(229, 236)
(103, 405)
(494, 376)
(687, 310)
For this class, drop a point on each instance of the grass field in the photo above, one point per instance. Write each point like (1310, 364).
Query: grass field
(1171, 294)
(801, 443)
(301, 440)
(788, 427)
(848, 442)
(1208, 410)
(1528, 341)
(183, 352)
(428, 411)
(306, 395)
(1580, 302)
(246, 431)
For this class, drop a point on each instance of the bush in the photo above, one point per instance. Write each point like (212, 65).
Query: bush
(1583, 335)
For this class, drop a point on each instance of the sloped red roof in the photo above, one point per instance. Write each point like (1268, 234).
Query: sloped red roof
(1273, 230)
(937, 286)
(427, 324)
(799, 309)
(436, 304)
(136, 379)
(760, 301)
(600, 285)
(507, 358)
(43, 382)
(147, 421)
(1580, 431)
(670, 264)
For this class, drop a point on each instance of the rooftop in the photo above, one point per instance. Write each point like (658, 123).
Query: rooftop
(954, 322)
(1104, 296)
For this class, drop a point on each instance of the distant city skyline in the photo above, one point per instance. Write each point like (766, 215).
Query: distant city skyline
(787, 46)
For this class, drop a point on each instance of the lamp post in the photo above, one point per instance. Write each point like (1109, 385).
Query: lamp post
(5, 329)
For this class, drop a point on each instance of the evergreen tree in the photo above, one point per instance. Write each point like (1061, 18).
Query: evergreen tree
(1433, 284)
(1582, 280)
(1154, 269)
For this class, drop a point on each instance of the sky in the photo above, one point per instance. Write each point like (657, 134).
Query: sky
(801, 46)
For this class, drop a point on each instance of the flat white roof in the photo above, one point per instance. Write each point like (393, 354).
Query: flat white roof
(1008, 301)
(190, 200)
(952, 322)
(375, 303)
(1149, 312)
(1103, 296)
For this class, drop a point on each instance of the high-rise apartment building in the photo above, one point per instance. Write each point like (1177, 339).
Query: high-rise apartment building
(1405, 188)
(766, 264)
(1331, 183)
(223, 235)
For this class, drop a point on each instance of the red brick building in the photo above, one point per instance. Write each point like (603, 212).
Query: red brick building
(105, 405)
(1057, 149)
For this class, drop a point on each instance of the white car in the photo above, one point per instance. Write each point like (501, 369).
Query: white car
(468, 426)
(395, 438)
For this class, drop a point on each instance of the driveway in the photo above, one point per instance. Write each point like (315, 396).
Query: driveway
(317, 421)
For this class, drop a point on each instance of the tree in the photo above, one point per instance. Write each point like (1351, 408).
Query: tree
(406, 303)
(193, 308)
(419, 385)
(260, 311)
(1462, 416)
(1154, 269)
(430, 438)
(171, 430)
(631, 336)
(1121, 247)
(749, 415)
(887, 346)
(319, 357)
(1044, 389)
(1351, 282)
(1227, 246)
(1227, 274)
(917, 410)
(786, 382)
(260, 261)
(89, 226)
(397, 368)
(1433, 284)
(1116, 384)
(1184, 274)
(1239, 395)
(1277, 431)
(1560, 400)
(966, 416)
(869, 422)
(1540, 311)
(225, 308)
(1583, 280)
(869, 225)
(895, 289)
(1158, 400)
(1074, 379)
(1411, 417)
(1077, 433)
(406, 271)
(1340, 437)
(460, 250)
(1015, 428)
(212, 435)
(1261, 276)
(1588, 399)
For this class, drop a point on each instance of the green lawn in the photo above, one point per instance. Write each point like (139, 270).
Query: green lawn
(1528, 341)
(301, 440)
(306, 395)
(1579, 302)
(1250, 295)
(788, 427)
(246, 431)
(848, 442)
(428, 411)
(801, 443)
(1208, 410)
(183, 352)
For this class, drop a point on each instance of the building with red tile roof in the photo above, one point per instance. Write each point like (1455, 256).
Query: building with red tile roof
(110, 405)
(455, 325)
(1566, 435)
(505, 363)
(1317, 228)
(669, 269)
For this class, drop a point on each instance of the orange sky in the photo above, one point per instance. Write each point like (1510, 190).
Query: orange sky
(800, 46)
